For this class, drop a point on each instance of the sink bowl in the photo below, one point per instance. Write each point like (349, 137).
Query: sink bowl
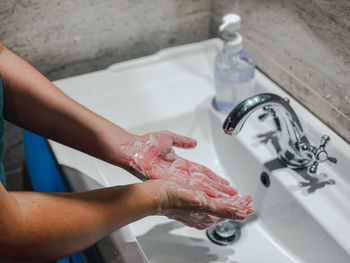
(283, 208)
(299, 218)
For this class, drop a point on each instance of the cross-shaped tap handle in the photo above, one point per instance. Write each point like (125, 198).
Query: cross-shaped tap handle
(319, 154)
(324, 140)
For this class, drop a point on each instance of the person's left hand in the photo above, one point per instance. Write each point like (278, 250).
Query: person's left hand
(152, 157)
(193, 207)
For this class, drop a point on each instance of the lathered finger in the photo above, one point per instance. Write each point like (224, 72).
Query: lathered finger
(222, 209)
(201, 179)
(197, 168)
(237, 200)
(180, 140)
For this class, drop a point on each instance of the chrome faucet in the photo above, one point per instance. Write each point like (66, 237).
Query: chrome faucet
(295, 149)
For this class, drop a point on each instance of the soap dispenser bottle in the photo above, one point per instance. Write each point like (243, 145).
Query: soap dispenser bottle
(234, 67)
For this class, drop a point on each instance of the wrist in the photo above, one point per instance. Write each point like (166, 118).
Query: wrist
(149, 196)
(116, 143)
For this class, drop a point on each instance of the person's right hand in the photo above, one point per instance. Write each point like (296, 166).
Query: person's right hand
(194, 207)
(152, 157)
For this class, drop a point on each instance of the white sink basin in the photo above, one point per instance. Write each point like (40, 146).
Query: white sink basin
(173, 90)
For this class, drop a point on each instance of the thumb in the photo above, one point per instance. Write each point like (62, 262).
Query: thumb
(182, 141)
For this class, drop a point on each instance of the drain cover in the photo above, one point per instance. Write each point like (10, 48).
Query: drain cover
(225, 233)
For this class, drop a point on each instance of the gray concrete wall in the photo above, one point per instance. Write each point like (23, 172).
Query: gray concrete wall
(303, 45)
(62, 38)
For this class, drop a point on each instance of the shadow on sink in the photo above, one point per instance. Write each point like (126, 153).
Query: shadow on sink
(161, 245)
(310, 184)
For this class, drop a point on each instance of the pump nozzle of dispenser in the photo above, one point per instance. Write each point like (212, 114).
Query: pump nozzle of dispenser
(228, 29)
(230, 22)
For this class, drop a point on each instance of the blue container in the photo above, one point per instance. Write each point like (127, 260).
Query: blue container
(43, 173)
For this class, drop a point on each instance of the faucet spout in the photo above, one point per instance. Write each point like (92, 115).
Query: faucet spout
(289, 129)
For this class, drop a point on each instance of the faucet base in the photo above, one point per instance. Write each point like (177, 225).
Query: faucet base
(291, 161)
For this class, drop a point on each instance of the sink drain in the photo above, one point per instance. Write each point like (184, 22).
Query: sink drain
(225, 233)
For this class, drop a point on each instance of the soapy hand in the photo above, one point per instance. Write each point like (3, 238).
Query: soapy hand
(152, 157)
(195, 208)
(187, 191)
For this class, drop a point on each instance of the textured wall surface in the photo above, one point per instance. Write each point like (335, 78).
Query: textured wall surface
(62, 38)
(65, 37)
(303, 45)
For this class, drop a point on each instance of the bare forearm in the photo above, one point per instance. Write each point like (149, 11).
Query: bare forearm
(33, 102)
(50, 226)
